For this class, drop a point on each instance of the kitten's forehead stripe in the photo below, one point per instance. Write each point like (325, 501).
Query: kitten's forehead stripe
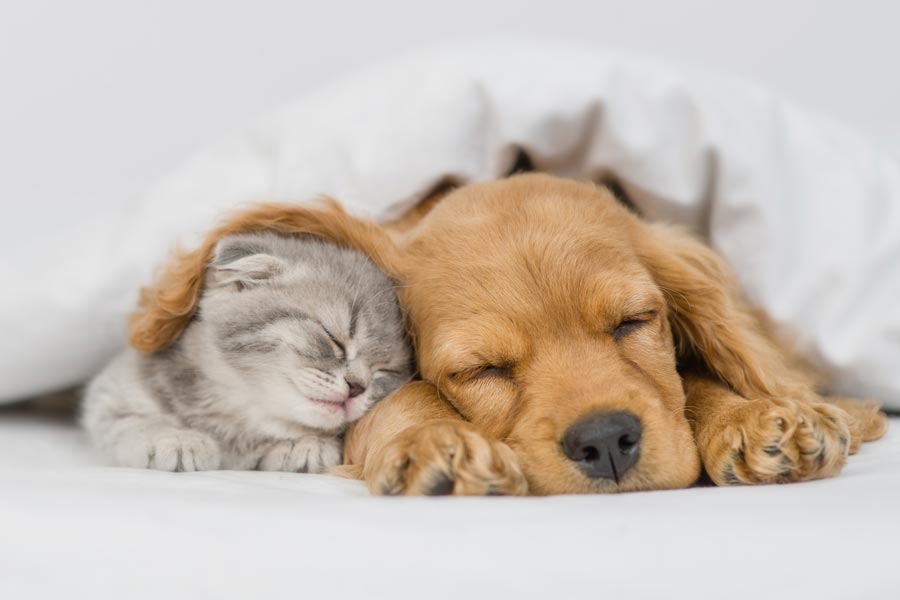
(259, 321)
(242, 346)
(354, 315)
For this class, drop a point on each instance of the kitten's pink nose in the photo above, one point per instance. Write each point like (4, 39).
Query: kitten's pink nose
(354, 388)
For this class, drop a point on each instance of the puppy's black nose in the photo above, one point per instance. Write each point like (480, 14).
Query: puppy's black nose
(604, 445)
(354, 388)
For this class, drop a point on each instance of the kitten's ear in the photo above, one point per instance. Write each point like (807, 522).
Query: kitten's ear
(243, 264)
(167, 306)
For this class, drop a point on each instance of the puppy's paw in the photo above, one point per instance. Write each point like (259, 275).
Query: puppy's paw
(443, 458)
(776, 441)
(867, 421)
(171, 449)
(308, 454)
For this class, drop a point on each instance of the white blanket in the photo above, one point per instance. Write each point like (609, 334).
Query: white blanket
(70, 528)
(806, 212)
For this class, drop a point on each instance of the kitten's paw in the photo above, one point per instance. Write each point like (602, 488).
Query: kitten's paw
(172, 450)
(443, 458)
(309, 454)
(777, 441)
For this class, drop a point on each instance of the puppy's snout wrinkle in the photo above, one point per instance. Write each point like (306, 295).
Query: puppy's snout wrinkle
(604, 445)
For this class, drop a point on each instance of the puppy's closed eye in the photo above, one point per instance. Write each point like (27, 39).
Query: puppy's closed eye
(631, 324)
(492, 371)
(483, 372)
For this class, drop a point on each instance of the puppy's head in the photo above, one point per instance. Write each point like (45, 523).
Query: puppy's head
(551, 317)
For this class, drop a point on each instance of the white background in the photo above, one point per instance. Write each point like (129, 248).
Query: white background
(100, 98)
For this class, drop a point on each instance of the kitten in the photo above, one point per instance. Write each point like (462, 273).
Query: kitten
(293, 340)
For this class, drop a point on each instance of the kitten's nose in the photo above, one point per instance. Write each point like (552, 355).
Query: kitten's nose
(354, 388)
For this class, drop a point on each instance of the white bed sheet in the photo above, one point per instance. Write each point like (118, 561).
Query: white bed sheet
(72, 528)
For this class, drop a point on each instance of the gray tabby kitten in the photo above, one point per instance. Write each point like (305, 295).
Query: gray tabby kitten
(293, 340)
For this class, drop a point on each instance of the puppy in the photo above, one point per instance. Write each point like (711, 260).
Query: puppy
(564, 346)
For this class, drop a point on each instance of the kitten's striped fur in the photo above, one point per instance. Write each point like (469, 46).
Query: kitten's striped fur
(294, 339)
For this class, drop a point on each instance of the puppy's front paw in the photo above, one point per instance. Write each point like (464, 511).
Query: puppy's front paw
(309, 454)
(443, 458)
(776, 441)
(171, 450)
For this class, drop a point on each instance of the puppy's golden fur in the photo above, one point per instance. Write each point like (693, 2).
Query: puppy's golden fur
(515, 292)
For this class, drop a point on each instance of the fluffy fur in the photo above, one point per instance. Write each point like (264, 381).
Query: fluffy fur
(294, 339)
(167, 307)
(516, 292)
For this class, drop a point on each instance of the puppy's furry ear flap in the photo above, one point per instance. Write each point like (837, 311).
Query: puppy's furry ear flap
(426, 204)
(242, 263)
(167, 307)
(713, 327)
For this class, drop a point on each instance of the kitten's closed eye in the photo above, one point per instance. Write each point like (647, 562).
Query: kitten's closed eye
(387, 372)
(318, 343)
(339, 350)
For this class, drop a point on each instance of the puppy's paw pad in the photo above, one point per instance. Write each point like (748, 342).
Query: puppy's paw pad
(308, 454)
(447, 458)
(768, 441)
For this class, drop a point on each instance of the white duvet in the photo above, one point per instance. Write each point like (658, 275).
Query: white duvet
(806, 212)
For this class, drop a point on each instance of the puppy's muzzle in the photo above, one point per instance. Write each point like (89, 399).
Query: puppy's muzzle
(604, 445)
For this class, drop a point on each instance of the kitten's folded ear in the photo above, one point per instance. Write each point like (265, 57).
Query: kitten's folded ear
(167, 307)
(242, 263)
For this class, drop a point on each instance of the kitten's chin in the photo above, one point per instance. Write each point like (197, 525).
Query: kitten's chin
(334, 415)
(320, 414)
(328, 415)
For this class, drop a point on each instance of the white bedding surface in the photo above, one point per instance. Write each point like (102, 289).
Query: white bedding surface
(72, 528)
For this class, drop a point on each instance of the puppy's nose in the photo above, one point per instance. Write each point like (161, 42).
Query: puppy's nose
(604, 445)
(354, 388)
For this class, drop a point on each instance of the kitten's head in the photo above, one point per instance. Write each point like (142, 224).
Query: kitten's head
(314, 330)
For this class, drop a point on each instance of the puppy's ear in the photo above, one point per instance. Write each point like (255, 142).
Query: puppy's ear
(713, 327)
(241, 263)
(167, 307)
(429, 201)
